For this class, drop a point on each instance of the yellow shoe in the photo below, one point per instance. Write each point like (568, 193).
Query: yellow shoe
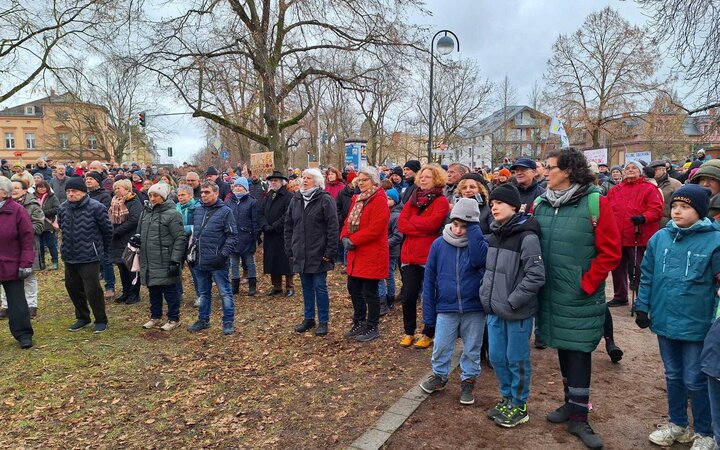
(407, 340)
(423, 342)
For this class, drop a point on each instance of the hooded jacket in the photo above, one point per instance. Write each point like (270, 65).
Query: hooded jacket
(636, 198)
(163, 241)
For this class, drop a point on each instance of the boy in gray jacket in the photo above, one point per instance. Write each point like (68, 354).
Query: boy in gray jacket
(513, 277)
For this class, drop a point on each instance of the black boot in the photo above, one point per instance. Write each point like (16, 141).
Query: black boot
(273, 292)
(384, 306)
(306, 324)
(562, 414)
(322, 329)
(613, 351)
(252, 286)
(584, 431)
(235, 286)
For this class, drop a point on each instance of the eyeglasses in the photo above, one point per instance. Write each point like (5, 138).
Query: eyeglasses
(205, 192)
(549, 168)
(362, 180)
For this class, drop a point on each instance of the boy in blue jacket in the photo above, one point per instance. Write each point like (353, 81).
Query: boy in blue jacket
(451, 301)
(677, 300)
(711, 367)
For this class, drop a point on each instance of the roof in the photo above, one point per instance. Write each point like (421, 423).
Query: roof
(19, 110)
(495, 120)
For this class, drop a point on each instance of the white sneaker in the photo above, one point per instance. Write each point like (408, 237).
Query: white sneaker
(197, 303)
(170, 325)
(666, 435)
(704, 443)
(152, 323)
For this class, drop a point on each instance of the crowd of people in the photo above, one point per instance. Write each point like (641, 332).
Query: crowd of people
(494, 257)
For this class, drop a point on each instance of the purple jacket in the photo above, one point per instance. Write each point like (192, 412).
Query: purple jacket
(16, 234)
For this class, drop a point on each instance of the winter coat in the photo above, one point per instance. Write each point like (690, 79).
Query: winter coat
(370, 259)
(334, 188)
(453, 276)
(187, 213)
(223, 187)
(311, 232)
(678, 287)
(217, 237)
(668, 186)
(101, 196)
(46, 172)
(50, 207)
(485, 213)
(635, 198)
(344, 200)
(17, 236)
(514, 271)
(86, 231)
(37, 219)
(395, 237)
(162, 242)
(123, 231)
(272, 225)
(577, 257)
(420, 229)
(528, 195)
(408, 190)
(58, 188)
(710, 356)
(607, 185)
(256, 190)
(245, 211)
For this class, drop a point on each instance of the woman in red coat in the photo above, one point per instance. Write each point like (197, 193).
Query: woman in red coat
(420, 222)
(334, 183)
(364, 236)
(638, 208)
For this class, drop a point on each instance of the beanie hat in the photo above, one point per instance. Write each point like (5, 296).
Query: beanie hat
(397, 170)
(466, 209)
(242, 181)
(707, 170)
(413, 165)
(694, 195)
(504, 171)
(161, 189)
(76, 183)
(211, 171)
(640, 166)
(506, 193)
(140, 173)
(614, 168)
(96, 176)
(393, 194)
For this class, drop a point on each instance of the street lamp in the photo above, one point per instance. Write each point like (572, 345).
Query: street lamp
(445, 45)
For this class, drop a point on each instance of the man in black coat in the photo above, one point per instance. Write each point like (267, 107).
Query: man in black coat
(272, 225)
(213, 175)
(410, 170)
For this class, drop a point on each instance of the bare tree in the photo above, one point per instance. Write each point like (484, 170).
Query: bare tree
(505, 97)
(601, 71)
(535, 96)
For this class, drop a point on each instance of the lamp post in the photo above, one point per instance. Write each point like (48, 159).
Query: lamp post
(445, 45)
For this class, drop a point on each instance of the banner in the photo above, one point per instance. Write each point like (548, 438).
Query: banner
(645, 157)
(598, 155)
(262, 163)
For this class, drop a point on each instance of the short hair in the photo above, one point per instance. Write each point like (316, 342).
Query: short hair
(124, 183)
(6, 185)
(317, 176)
(461, 184)
(439, 175)
(186, 188)
(192, 173)
(42, 184)
(462, 167)
(210, 184)
(373, 173)
(337, 173)
(21, 181)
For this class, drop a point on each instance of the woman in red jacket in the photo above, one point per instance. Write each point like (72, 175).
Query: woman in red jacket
(364, 236)
(638, 207)
(420, 221)
(334, 183)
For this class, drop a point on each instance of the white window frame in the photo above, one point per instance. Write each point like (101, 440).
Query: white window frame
(30, 143)
(92, 142)
(9, 140)
(29, 110)
(64, 141)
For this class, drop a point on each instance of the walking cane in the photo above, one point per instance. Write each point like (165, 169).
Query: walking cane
(633, 278)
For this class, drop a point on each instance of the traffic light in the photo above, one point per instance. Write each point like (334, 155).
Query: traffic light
(141, 119)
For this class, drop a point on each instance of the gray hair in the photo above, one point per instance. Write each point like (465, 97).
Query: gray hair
(317, 176)
(210, 184)
(185, 188)
(372, 173)
(6, 186)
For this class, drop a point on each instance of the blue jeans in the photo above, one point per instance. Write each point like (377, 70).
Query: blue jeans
(108, 272)
(470, 328)
(49, 239)
(314, 287)
(387, 286)
(205, 280)
(172, 297)
(181, 289)
(714, 391)
(682, 375)
(248, 264)
(509, 351)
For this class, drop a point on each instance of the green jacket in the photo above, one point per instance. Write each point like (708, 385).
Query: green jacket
(163, 241)
(569, 319)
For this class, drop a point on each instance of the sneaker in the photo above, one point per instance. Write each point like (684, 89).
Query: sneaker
(368, 334)
(79, 325)
(615, 303)
(704, 443)
(498, 408)
(512, 416)
(407, 340)
(228, 328)
(170, 325)
(197, 303)
(613, 351)
(560, 415)
(466, 395)
(585, 433)
(54, 266)
(423, 342)
(99, 328)
(26, 343)
(3, 313)
(356, 329)
(199, 325)
(666, 435)
(433, 384)
(152, 323)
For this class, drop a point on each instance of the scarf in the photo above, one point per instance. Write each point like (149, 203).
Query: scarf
(240, 196)
(41, 199)
(558, 198)
(308, 194)
(422, 198)
(450, 238)
(360, 201)
(118, 211)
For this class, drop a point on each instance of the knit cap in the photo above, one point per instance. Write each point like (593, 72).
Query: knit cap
(504, 171)
(211, 171)
(397, 170)
(242, 181)
(413, 165)
(96, 176)
(76, 183)
(506, 193)
(393, 194)
(640, 166)
(161, 189)
(694, 195)
(466, 209)
(140, 173)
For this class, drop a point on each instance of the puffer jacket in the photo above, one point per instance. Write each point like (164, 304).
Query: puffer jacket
(187, 212)
(421, 228)
(370, 259)
(678, 287)
(395, 237)
(123, 231)
(219, 235)
(636, 198)
(162, 241)
(311, 232)
(453, 276)
(17, 236)
(514, 271)
(101, 196)
(245, 211)
(710, 356)
(86, 231)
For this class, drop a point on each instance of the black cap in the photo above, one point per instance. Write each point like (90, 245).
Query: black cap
(76, 183)
(413, 165)
(211, 171)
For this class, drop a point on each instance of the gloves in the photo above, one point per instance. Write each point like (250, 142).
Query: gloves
(135, 240)
(638, 220)
(641, 319)
(347, 243)
(173, 270)
(24, 272)
(220, 261)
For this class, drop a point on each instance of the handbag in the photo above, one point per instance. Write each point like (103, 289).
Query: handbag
(128, 257)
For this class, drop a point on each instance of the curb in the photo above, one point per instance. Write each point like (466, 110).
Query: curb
(375, 437)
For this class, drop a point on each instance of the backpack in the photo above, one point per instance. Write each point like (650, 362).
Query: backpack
(593, 207)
